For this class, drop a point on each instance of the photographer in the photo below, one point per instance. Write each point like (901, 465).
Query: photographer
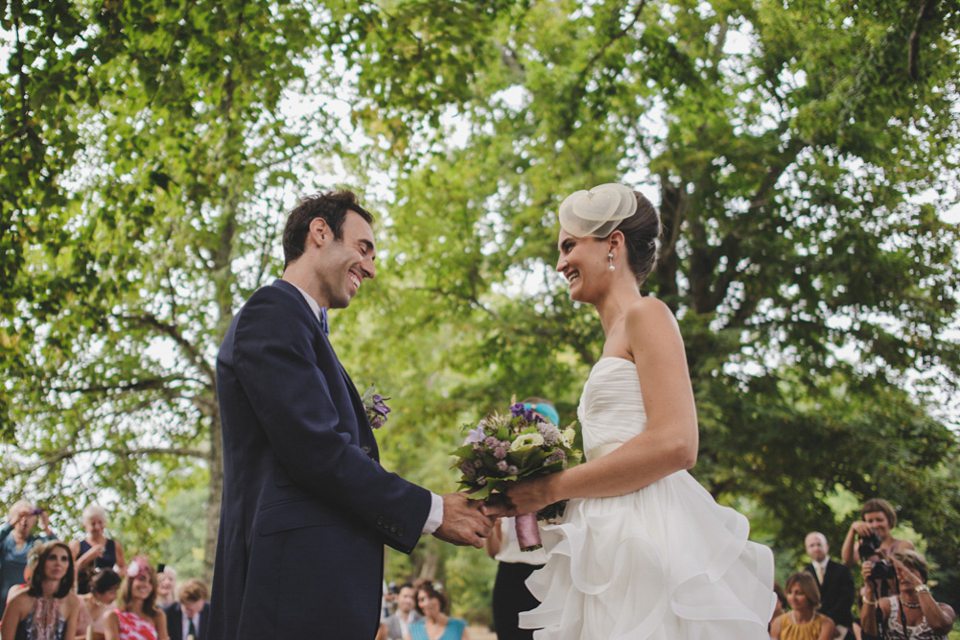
(16, 541)
(911, 613)
(879, 519)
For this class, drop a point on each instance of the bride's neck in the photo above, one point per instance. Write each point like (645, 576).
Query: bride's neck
(613, 306)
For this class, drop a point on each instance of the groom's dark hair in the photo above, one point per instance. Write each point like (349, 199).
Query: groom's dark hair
(332, 207)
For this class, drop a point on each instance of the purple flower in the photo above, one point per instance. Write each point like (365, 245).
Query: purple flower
(512, 470)
(502, 465)
(556, 456)
(520, 411)
(500, 452)
(478, 463)
(491, 442)
(475, 435)
(467, 468)
(551, 435)
(375, 406)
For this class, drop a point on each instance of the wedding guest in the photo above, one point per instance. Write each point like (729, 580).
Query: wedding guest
(96, 550)
(16, 541)
(137, 617)
(435, 623)
(911, 614)
(47, 610)
(802, 622)
(834, 580)
(167, 589)
(880, 518)
(188, 618)
(104, 586)
(405, 615)
(510, 594)
(27, 574)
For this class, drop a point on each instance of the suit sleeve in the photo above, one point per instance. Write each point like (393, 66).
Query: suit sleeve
(291, 383)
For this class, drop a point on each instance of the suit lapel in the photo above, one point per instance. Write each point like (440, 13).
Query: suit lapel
(364, 431)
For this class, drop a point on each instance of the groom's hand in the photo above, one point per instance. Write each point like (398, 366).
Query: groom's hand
(463, 521)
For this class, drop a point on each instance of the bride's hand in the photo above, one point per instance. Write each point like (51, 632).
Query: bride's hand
(530, 496)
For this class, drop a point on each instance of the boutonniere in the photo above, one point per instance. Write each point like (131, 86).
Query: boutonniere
(375, 406)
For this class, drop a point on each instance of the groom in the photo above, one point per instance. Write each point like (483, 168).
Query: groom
(306, 506)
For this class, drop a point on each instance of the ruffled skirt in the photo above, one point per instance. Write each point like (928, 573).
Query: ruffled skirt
(665, 563)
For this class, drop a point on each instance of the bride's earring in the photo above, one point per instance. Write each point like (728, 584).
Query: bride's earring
(610, 258)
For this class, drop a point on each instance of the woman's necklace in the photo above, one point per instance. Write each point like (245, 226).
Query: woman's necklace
(909, 605)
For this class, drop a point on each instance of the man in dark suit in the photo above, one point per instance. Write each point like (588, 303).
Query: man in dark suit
(189, 617)
(306, 506)
(835, 581)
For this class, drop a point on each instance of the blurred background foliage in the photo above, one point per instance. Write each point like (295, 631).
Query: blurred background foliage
(803, 156)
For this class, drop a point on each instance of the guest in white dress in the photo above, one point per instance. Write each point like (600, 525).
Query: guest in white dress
(644, 551)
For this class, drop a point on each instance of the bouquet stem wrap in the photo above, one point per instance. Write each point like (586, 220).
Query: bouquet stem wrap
(528, 533)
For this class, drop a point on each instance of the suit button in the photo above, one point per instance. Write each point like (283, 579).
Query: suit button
(365, 449)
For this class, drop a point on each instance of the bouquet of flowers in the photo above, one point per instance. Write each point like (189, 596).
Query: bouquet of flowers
(375, 406)
(502, 449)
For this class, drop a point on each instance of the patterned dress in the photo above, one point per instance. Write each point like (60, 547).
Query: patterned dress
(44, 622)
(896, 631)
(133, 627)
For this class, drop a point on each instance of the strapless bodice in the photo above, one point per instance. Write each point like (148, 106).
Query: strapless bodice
(611, 407)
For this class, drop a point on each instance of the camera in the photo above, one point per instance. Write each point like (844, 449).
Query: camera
(882, 570)
(868, 546)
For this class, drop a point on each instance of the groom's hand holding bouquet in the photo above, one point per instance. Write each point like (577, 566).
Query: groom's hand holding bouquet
(502, 449)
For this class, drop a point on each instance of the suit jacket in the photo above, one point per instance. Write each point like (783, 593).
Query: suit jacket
(306, 506)
(836, 593)
(175, 622)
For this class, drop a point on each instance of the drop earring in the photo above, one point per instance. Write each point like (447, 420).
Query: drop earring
(610, 258)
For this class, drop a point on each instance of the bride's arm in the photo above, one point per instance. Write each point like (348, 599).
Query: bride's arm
(669, 442)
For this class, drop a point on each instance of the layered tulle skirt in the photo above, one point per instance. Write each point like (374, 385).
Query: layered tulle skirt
(665, 563)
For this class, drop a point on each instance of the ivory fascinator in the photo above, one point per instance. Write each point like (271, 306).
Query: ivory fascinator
(597, 212)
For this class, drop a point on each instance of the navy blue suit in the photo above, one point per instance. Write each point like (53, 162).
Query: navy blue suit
(306, 506)
(174, 613)
(836, 593)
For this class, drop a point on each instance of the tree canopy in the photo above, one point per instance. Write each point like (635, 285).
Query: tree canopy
(803, 157)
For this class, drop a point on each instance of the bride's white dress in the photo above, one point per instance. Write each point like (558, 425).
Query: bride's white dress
(665, 562)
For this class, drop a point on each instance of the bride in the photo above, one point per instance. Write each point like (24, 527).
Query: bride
(643, 551)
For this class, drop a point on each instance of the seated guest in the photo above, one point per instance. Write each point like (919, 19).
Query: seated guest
(96, 550)
(835, 581)
(137, 616)
(435, 624)
(167, 585)
(399, 622)
(911, 614)
(104, 586)
(47, 609)
(802, 622)
(187, 619)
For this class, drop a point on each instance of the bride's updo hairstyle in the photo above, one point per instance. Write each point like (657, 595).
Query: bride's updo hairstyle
(615, 207)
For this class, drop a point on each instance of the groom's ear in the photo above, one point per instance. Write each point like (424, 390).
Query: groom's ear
(320, 232)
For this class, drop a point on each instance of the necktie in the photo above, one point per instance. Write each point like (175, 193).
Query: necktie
(819, 569)
(323, 321)
(191, 631)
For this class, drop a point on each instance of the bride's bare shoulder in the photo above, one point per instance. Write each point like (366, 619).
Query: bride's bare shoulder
(648, 310)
